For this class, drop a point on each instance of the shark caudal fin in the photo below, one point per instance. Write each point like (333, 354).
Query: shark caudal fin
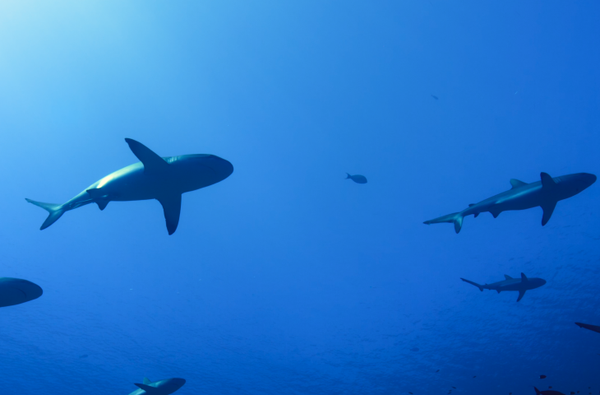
(55, 210)
(473, 283)
(455, 218)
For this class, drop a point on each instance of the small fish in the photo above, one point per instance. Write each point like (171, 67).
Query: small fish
(357, 178)
(542, 376)
(435, 97)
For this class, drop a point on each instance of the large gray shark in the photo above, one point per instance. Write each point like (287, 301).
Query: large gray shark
(16, 291)
(512, 284)
(164, 179)
(161, 387)
(545, 194)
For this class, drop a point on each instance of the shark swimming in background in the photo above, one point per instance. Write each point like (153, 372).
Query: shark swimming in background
(594, 328)
(522, 284)
(161, 387)
(162, 178)
(545, 194)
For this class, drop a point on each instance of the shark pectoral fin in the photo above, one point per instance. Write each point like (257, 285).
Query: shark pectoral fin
(151, 161)
(172, 208)
(99, 197)
(521, 294)
(548, 210)
(547, 180)
(147, 381)
(147, 388)
(516, 183)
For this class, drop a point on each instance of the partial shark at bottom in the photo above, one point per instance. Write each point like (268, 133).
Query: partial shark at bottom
(161, 387)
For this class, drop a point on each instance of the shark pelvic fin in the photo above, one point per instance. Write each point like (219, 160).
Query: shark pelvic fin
(506, 276)
(547, 181)
(55, 212)
(521, 294)
(152, 162)
(516, 183)
(455, 218)
(99, 197)
(171, 207)
(548, 210)
(147, 381)
(147, 388)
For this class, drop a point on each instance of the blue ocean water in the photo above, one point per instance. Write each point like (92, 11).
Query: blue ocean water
(285, 277)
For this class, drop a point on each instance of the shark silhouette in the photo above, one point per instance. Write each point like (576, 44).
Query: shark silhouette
(164, 179)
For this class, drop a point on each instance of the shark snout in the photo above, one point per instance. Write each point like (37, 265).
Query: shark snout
(223, 168)
(176, 383)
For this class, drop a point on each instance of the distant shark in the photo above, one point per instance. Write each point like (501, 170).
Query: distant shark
(512, 284)
(161, 387)
(545, 194)
(588, 326)
(164, 179)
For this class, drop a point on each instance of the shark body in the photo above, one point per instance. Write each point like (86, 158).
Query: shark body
(161, 387)
(545, 194)
(154, 177)
(594, 328)
(521, 285)
(16, 291)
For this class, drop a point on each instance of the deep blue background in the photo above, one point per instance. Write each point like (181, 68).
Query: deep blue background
(286, 278)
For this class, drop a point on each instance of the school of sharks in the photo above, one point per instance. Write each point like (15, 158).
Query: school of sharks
(166, 179)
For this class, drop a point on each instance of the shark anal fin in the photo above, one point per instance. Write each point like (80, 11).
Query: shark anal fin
(521, 294)
(147, 388)
(147, 381)
(506, 276)
(517, 183)
(171, 207)
(547, 180)
(548, 210)
(99, 197)
(151, 161)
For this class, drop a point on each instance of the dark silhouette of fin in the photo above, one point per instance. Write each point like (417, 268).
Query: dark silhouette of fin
(147, 381)
(152, 162)
(147, 388)
(55, 212)
(521, 294)
(99, 197)
(547, 181)
(548, 210)
(473, 283)
(524, 278)
(516, 183)
(537, 391)
(506, 276)
(172, 208)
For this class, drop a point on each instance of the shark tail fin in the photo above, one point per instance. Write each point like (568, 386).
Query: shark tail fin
(473, 283)
(455, 218)
(348, 176)
(55, 212)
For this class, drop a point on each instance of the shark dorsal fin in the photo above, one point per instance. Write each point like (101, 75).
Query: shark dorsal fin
(547, 181)
(471, 205)
(147, 381)
(152, 162)
(506, 276)
(516, 183)
(523, 277)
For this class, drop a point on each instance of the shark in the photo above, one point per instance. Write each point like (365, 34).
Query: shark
(153, 177)
(16, 291)
(161, 387)
(594, 328)
(522, 284)
(544, 193)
